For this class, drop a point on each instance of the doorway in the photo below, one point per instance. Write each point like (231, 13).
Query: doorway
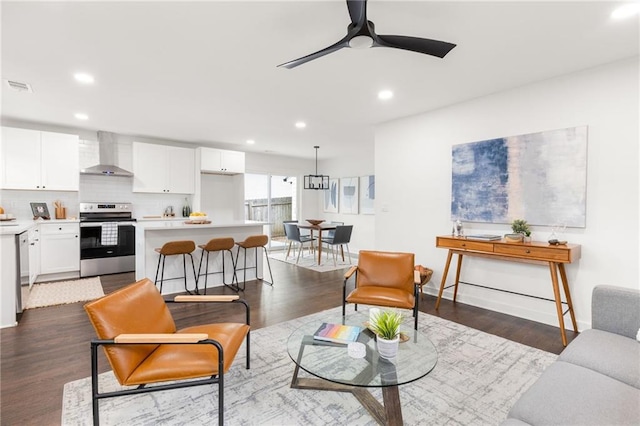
(272, 199)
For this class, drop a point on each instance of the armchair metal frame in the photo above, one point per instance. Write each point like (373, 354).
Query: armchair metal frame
(172, 339)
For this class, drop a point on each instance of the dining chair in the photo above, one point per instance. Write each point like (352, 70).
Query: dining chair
(293, 235)
(341, 238)
(383, 279)
(331, 232)
(135, 328)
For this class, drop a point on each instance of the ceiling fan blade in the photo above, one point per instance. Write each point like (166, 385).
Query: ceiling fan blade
(421, 45)
(357, 11)
(320, 53)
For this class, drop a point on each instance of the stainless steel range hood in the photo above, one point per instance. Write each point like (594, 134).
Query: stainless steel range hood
(108, 154)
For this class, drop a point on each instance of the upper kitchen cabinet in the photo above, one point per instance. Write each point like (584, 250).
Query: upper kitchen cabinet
(221, 161)
(36, 160)
(163, 169)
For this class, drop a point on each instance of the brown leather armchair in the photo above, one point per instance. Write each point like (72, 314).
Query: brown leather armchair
(141, 343)
(383, 279)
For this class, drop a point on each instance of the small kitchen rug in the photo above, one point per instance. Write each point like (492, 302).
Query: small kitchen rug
(62, 292)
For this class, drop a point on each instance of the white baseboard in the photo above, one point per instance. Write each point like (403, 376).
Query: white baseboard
(548, 317)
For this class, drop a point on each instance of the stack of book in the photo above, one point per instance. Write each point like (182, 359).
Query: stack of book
(337, 333)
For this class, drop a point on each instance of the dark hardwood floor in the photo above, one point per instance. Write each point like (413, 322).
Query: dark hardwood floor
(50, 346)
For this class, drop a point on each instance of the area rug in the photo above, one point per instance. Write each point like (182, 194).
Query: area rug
(310, 262)
(62, 292)
(477, 379)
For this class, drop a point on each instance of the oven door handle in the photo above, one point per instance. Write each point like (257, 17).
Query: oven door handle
(99, 224)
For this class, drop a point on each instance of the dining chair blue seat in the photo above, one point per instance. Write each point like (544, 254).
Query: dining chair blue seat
(341, 238)
(292, 232)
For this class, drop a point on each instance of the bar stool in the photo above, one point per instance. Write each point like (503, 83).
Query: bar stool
(253, 241)
(218, 245)
(174, 248)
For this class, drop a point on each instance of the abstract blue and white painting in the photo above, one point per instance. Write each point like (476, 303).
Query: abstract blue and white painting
(367, 194)
(539, 177)
(349, 195)
(331, 197)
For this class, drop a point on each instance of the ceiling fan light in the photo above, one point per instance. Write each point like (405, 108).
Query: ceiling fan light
(361, 42)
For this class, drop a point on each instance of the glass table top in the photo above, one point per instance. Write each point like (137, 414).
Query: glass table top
(331, 361)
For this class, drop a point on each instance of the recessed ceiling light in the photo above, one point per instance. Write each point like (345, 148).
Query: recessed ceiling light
(626, 11)
(81, 116)
(83, 77)
(251, 141)
(385, 94)
(301, 124)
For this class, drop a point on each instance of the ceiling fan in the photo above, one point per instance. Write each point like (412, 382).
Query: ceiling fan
(361, 34)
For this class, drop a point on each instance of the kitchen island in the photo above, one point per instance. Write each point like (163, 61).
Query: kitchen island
(153, 234)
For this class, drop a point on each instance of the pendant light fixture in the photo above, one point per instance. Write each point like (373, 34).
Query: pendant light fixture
(316, 181)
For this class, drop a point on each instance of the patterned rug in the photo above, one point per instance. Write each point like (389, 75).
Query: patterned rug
(310, 262)
(61, 292)
(477, 379)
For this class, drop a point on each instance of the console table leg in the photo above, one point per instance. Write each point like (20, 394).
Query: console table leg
(556, 293)
(455, 288)
(567, 293)
(444, 278)
(392, 407)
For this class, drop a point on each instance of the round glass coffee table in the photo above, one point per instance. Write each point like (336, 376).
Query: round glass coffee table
(337, 370)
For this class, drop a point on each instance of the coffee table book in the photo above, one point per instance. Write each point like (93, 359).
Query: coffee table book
(337, 333)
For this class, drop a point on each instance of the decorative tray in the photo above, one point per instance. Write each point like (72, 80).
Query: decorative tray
(197, 222)
(6, 220)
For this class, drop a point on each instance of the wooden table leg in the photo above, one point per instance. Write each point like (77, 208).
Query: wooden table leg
(444, 278)
(392, 407)
(319, 246)
(567, 293)
(556, 293)
(455, 288)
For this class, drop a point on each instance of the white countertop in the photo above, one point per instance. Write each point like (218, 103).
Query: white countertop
(180, 224)
(15, 227)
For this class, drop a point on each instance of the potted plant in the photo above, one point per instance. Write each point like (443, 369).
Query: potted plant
(386, 326)
(520, 229)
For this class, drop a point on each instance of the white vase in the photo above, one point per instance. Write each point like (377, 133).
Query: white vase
(387, 349)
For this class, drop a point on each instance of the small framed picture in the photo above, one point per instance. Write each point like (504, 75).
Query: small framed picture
(40, 210)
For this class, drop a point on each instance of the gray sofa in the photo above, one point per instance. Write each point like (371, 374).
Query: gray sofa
(596, 379)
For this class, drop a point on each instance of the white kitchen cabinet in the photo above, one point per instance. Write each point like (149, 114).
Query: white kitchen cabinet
(59, 248)
(221, 161)
(163, 169)
(36, 160)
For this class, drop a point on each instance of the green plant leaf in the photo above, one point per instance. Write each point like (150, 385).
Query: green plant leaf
(386, 324)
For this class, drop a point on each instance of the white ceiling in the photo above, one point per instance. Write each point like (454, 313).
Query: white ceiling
(205, 72)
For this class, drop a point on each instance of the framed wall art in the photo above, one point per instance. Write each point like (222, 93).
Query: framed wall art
(367, 194)
(539, 177)
(331, 197)
(349, 195)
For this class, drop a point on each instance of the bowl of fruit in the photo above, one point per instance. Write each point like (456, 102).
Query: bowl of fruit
(198, 217)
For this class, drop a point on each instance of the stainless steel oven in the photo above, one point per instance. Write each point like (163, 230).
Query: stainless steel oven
(107, 239)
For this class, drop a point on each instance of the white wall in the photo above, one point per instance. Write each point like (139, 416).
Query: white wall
(364, 226)
(413, 184)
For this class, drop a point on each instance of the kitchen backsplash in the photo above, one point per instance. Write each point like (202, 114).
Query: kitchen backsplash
(92, 189)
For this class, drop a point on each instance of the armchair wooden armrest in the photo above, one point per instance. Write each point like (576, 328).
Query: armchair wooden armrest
(158, 338)
(350, 272)
(206, 298)
(416, 277)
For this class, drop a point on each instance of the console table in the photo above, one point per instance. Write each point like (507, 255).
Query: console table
(535, 252)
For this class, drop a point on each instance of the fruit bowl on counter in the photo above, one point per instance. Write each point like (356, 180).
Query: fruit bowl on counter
(198, 217)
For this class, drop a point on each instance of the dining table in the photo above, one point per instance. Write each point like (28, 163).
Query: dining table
(319, 228)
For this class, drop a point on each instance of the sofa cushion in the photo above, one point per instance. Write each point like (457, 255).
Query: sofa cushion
(567, 394)
(513, 422)
(611, 354)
